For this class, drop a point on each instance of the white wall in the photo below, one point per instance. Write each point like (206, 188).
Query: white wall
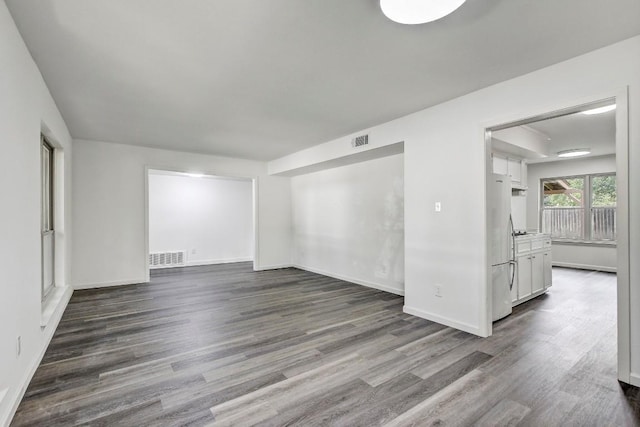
(444, 152)
(109, 209)
(211, 218)
(565, 254)
(26, 110)
(600, 258)
(348, 222)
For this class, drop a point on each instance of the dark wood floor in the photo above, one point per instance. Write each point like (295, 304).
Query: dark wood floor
(224, 345)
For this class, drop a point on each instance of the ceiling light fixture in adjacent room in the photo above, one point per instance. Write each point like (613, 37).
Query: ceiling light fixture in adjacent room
(418, 11)
(600, 110)
(576, 152)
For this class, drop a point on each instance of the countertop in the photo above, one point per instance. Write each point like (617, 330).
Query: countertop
(533, 235)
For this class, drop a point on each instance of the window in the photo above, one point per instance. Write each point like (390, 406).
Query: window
(47, 222)
(580, 208)
(603, 207)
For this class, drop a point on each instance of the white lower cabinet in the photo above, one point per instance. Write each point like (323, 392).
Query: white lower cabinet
(533, 269)
(514, 285)
(547, 268)
(524, 276)
(537, 273)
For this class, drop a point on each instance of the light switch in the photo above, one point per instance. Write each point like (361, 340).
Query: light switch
(438, 207)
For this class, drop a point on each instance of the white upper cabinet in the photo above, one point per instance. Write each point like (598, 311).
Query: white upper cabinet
(500, 165)
(516, 169)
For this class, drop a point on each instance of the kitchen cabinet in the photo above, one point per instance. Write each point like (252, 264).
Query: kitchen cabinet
(524, 276)
(500, 165)
(514, 168)
(533, 267)
(514, 286)
(547, 268)
(537, 273)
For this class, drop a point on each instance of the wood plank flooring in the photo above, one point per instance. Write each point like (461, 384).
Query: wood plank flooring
(223, 345)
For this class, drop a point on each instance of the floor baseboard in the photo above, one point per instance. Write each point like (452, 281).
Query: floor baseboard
(378, 286)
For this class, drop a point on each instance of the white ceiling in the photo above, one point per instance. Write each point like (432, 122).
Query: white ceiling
(263, 78)
(596, 132)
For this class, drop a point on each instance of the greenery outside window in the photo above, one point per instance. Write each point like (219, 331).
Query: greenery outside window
(579, 208)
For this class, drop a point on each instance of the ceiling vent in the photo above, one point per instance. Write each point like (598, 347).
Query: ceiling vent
(360, 141)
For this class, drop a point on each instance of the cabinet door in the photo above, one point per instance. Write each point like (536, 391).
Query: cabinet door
(524, 276)
(515, 170)
(500, 165)
(514, 287)
(537, 272)
(547, 269)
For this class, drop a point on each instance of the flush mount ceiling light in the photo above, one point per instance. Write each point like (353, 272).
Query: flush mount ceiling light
(418, 11)
(576, 152)
(600, 110)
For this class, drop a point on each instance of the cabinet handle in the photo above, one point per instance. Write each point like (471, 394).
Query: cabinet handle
(533, 257)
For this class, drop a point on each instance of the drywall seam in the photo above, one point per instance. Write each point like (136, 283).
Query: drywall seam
(378, 286)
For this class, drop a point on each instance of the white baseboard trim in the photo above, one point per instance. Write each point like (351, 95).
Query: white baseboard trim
(3, 394)
(109, 284)
(585, 267)
(217, 261)
(634, 379)
(373, 285)
(442, 320)
(52, 302)
(271, 267)
(198, 263)
(15, 396)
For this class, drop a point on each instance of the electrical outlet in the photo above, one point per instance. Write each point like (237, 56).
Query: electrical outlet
(438, 207)
(18, 345)
(193, 251)
(439, 291)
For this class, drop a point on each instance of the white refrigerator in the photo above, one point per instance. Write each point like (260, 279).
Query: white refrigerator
(502, 245)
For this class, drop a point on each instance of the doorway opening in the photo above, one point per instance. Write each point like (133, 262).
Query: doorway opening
(567, 178)
(196, 219)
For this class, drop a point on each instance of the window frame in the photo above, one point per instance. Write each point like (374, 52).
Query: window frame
(587, 231)
(47, 208)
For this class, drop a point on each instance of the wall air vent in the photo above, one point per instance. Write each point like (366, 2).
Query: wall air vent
(167, 259)
(360, 141)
